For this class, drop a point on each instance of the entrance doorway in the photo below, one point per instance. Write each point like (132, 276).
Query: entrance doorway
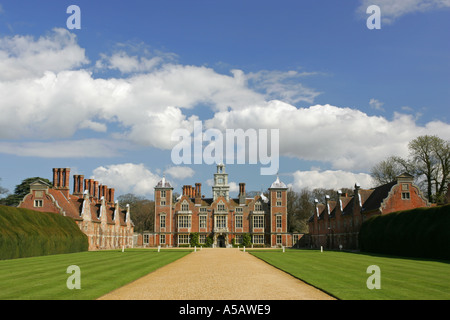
(221, 241)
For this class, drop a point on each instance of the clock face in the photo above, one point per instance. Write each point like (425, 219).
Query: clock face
(220, 180)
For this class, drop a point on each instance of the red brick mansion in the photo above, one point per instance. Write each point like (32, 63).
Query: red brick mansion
(91, 205)
(221, 217)
(336, 224)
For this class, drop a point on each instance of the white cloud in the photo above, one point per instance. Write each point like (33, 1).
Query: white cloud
(282, 85)
(127, 178)
(180, 172)
(375, 104)
(24, 57)
(330, 179)
(52, 98)
(346, 138)
(86, 148)
(394, 9)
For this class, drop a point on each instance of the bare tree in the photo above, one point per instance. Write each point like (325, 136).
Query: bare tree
(428, 161)
(387, 170)
(430, 156)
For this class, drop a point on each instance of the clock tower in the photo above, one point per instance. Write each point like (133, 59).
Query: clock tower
(221, 187)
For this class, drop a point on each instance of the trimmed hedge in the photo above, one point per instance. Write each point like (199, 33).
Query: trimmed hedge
(421, 232)
(28, 233)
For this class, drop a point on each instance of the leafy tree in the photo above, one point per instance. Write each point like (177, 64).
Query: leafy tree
(246, 240)
(194, 239)
(209, 241)
(3, 190)
(20, 191)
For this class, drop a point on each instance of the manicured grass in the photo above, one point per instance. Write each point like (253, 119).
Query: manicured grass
(344, 275)
(45, 278)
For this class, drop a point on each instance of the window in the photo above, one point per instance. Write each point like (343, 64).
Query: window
(183, 239)
(162, 222)
(146, 237)
(258, 221)
(163, 202)
(278, 203)
(202, 238)
(162, 239)
(278, 194)
(405, 196)
(279, 222)
(258, 206)
(202, 222)
(163, 193)
(185, 206)
(279, 239)
(258, 239)
(221, 207)
(238, 210)
(238, 239)
(203, 209)
(38, 203)
(221, 222)
(184, 221)
(238, 221)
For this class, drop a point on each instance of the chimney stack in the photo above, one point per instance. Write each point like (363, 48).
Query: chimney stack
(78, 184)
(110, 195)
(61, 177)
(241, 193)
(198, 193)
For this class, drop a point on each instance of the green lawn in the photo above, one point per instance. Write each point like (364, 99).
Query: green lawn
(344, 275)
(45, 277)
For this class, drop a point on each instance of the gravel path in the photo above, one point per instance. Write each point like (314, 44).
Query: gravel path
(217, 274)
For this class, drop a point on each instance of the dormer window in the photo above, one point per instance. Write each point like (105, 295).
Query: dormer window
(185, 206)
(221, 207)
(258, 206)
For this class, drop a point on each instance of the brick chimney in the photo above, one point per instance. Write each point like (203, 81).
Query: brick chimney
(61, 177)
(110, 195)
(78, 181)
(95, 187)
(241, 193)
(198, 193)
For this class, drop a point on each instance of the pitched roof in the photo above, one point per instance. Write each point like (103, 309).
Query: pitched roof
(377, 196)
(277, 184)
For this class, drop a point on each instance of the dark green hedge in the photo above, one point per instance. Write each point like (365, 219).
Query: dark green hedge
(421, 232)
(28, 233)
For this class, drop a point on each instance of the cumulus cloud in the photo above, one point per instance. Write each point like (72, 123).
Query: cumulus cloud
(48, 93)
(284, 86)
(24, 57)
(346, 138)
(330, 179)
(180, 172)
(391, 10)
(127, 178)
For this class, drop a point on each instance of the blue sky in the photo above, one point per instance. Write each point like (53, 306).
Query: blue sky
(104, 100)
